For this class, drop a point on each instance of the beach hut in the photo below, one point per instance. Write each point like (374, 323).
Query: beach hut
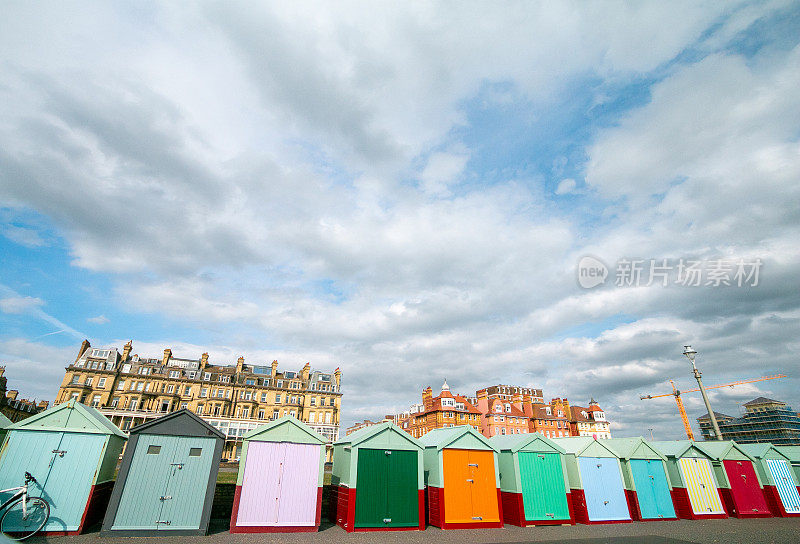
(792, 453)
(5, 423)
(167, 478)
(461, 479)
(738, 483)
(777, 477)
(694, 486)
(72, 451)
(378, 478)
(647, 487)
(279, 487)
(597, 491)
(533, 480)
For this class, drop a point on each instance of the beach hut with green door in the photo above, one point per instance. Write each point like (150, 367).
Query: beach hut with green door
(533, 480)
(72, 451)
(775, 471)
(644, 471)
(378, 480)
(167, 478)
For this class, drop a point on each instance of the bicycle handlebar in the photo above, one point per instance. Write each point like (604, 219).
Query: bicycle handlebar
(29, 477)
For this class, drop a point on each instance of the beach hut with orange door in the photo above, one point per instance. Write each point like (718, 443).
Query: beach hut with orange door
(461, 479)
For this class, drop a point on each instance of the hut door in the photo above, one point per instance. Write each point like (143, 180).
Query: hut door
(141, 502)
(603, 489)
(652, 490)
(699, 481)
(298, 485)
(29, 451)
(543, 493)
(747, 494)
(187, 483)
(457, 486)
(386, 488)
(258, 503)
(483, 486)
(787, 491)
(69, 481)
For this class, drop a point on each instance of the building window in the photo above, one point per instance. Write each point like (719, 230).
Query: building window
(261, 414)
(174, 373)
(76, 379)
(134, 404)
(279, 385)
(263, 397)
(207, 376)
(89, 381)
(140, 386)
(114, 402)
(275, 414)
(170, 388)
(200, 409)
(312, 417)
(327, 417)
(184, 405)
(250, 381)
(101, 383)
(121, 385)
(204, 392)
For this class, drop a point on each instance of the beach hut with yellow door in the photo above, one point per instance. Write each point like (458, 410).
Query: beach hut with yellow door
(461, 479)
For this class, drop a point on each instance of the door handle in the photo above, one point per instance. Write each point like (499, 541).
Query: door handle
(387, 520)
(473, 465)
(60, 453)
(470, 480)
(605, 503)
(165, 498)
(550, 515)
(478, 518)
(164, 522)
(179, 465)
(387, 452)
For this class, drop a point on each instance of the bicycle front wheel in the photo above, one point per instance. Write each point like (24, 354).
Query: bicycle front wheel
(19, 523)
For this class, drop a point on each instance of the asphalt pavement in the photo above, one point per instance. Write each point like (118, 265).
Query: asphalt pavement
(744, 531)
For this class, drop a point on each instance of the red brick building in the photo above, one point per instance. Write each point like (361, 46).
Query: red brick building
(445, 410)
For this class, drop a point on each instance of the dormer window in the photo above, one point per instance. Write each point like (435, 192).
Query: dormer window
(448, 402)
(584, 414)
(548, 411)
(508, 407)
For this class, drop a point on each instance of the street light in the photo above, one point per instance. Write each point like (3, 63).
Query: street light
(691, 354)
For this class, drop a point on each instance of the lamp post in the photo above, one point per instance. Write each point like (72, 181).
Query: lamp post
(691, 354)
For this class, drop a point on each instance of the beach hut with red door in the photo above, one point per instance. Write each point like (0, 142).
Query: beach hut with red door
(739, 485)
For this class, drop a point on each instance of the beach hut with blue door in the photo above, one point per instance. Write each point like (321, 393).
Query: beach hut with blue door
(775, 471)
(72, 451)
(279, 487)
(167, 478)
(533, 480)
(597, 490)
(647, 486)
(792, 453)
(694, 485)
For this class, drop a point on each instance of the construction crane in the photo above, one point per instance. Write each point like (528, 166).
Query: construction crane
(677, 394)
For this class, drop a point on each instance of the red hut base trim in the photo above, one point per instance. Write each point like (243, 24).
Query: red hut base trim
(775, 503)
(683, 506)
(435, 496)
(577, 507)
(514, 512)
(273, 528)
(730, 506)
(346, 512)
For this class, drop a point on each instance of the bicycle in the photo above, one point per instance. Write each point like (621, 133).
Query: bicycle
(24, 515)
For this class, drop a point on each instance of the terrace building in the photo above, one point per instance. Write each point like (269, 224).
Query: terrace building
(131, 390)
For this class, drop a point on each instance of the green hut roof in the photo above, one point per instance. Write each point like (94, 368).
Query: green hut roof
(368, 432)
(577, 445)
(677, 448)
(70, 416)
(632, 448)
(720, 449)
(791, 452)
(527, 441)
(286, 429)
(762, 450)
(443, 438)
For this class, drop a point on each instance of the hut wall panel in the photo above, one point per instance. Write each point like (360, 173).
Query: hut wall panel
(699, 480)
(258, 503)
(298, 490)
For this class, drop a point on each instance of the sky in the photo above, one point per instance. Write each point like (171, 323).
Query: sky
(405, 191)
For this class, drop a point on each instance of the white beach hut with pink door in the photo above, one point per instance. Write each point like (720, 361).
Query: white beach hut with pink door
(279, 488)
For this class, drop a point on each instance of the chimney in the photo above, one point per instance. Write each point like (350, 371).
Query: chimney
(427, 398)
(12, 394)
(2, 371)
(516, 400)
(483, 401)
(43, 404)
(274, 368)
(240, 365)
(337, 375)
(167, 356)
(126, 350)
(306, 371)
(567, 411)
(84, 346)
(203, 361)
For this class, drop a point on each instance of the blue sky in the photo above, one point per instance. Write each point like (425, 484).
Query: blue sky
(404, 192)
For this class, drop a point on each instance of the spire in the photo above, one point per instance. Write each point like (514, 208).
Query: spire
(445, 387)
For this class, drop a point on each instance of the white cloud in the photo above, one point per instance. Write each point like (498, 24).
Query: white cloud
(19, 305)
(565, 186)
(99, 320)
(442, 170)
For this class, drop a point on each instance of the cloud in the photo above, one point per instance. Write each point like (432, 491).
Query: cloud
(19, 305)
(99, 320)
(565, 186)
(442, 170)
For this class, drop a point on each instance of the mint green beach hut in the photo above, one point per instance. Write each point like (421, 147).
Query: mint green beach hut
(72, 451)
(5, 423)
(533, 480)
